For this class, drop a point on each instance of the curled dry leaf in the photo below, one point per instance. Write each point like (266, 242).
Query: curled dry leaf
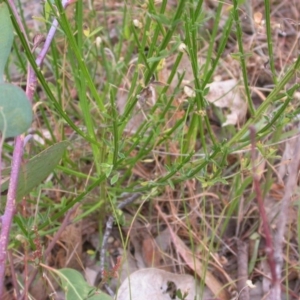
(226, 94)
(150, 284)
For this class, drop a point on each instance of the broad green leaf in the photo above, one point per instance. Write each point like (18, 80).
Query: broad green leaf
(37, 169)
(15, 110)
(73, 284)
(6, 37)
(76, 287)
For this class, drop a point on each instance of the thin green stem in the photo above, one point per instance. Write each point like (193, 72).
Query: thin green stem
(242, 56)
(269, 39)
(263, 107)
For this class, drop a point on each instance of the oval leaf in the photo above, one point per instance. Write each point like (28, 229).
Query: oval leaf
(76, 287)
(6, 37)
(15, 110)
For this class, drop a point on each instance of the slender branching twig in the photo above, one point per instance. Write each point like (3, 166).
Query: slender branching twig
(108, 229)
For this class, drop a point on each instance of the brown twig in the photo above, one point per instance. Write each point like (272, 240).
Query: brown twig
(13, 275)
(290, 186)
(242, 257)
(107, 232)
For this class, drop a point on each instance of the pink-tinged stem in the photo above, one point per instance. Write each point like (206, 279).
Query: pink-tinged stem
(10, 207)
(269, 249)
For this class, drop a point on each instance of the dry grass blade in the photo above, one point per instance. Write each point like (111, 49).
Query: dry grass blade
(155, 99)
(242, 270)
(210, 280)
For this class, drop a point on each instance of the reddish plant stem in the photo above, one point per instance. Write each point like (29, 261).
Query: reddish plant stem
(10, 207)
(7, 217)
(268, 237)
(62, 227)
(25, 271)
(13, 275)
